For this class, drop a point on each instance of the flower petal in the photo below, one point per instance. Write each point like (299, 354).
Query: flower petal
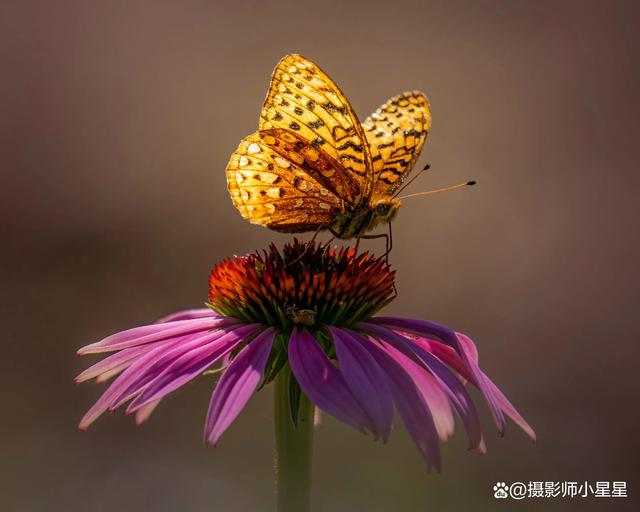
(189, 314)
(408, 399)
(156, 332)
(447, 380)
(447, 355)
(139, 373)
(450, 357)
(143, 413)
(105, 376)
(366, 380)
(197, 345)
(120, 360)
(237, 384)
(191, 364)
(510, 410)
(469, 346)
(448, 336)
(499, 397)
(322, 382)
(429, 388)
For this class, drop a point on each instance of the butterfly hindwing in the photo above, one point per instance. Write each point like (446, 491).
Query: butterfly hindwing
(396, 132)
(304, 100)
(272, 182)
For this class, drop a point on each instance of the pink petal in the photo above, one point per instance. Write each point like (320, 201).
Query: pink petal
(464, 365)
(510, 410)
(366, 380)
(431, 393)
(322, 382)
(237, 384)
(138, 373)
(108, 375)
(446, 335)
(189, 314)
(156, 332)
(119, 360)
(196, 343)
(143, 413)
(499, 397)
(408, 399)
(445, 378)
(191, 364)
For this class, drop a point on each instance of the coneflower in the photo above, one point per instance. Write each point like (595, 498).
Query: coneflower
(304, 317)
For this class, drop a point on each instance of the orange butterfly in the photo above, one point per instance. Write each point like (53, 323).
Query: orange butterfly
(312, 165)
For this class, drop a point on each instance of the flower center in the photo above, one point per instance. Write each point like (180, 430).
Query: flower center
(304, 284)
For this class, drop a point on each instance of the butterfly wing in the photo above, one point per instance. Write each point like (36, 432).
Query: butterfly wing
(278, 180)
(396, 133)
(303, 99)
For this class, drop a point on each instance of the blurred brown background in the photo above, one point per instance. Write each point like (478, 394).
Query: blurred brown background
(117, 122)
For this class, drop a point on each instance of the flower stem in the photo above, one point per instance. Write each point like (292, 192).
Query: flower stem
(294, 446)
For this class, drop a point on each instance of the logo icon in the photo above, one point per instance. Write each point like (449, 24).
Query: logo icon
(500, 490)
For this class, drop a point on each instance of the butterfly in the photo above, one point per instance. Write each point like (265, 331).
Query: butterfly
(313, 166)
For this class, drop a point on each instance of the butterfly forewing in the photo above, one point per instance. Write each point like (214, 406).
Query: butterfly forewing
(304, 100)
(396, 132)
(323, 169)
(272, 182)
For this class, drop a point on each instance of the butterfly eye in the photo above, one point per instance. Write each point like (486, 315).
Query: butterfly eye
(382, 209)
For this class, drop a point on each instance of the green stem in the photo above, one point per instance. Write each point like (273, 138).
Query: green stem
(294, 446)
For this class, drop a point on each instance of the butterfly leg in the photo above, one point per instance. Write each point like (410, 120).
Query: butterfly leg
(315, 235)
(389, 247)
(387, 242)
(313, 239)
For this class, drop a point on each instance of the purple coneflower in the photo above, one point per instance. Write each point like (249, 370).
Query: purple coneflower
(305, 317)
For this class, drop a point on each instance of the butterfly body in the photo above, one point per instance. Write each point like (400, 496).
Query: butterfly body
(354, 224)
(313, 166)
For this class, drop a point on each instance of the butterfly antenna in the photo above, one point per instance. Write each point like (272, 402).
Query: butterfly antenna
(446, 189)
(426, 168)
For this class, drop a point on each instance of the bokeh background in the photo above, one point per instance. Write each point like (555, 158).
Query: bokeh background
(117, 120)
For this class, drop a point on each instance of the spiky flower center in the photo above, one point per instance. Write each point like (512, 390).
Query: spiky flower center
(304, 284)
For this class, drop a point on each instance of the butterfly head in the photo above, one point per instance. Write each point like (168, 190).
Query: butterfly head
(384, 210)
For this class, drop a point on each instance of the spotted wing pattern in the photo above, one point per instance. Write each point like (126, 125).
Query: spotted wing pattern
(278, 180)
(396, 133)
(303, 99)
